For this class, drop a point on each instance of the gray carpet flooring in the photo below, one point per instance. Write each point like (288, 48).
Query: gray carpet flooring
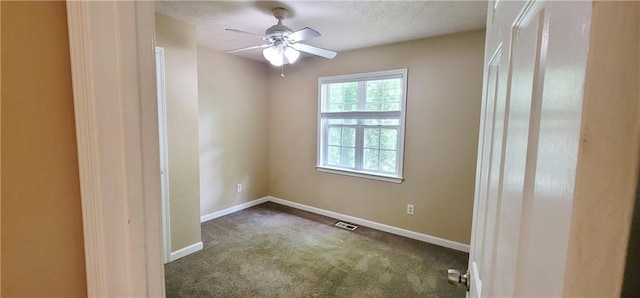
(272, 250)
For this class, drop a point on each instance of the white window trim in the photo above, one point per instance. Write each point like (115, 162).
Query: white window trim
(370, 76)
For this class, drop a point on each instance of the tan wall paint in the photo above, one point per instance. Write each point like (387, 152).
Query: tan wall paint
(42, 242)
(233, 129)
(0, 153)
(181, 79)
(608, 163)
(443, 112)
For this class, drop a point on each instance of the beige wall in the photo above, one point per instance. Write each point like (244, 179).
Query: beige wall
(233, 129)
(443, 110)
(181, 79)
(0, 154)
(42, 242)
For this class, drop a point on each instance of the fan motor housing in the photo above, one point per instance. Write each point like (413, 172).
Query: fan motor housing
(277, 32)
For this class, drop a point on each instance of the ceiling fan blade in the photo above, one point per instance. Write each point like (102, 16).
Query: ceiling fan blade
(249, 48)
(303, 34)
(314, 50)
(247, 33)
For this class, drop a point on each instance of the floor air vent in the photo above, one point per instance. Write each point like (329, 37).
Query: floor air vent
(346, 226)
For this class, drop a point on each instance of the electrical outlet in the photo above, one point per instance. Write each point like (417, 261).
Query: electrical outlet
(410, 209)
(239, 187)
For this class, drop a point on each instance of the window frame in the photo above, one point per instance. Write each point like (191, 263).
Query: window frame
(322, 134)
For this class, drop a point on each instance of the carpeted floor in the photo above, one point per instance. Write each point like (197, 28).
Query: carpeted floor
(272, 250)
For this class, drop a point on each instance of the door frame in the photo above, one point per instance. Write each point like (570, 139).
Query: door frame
(164, 156)
(113, 67)
(114, 88)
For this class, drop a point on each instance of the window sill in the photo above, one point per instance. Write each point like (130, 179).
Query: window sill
(366, 175)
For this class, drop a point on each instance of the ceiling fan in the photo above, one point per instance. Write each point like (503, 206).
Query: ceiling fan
(284, 45)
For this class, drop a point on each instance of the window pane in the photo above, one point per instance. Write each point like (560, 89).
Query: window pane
(371, 159)
(335, 135)
(387, 161)
(388, 138)
(383, 94)
(348, 157)
(391, 106)
(372, 138)
(343, 97)
(391, 122)
(343, 121)
(333, 156)
(394, 122)
(372, 122)
(373, 106)
(392, 89)
(348, 137)
(335, 107)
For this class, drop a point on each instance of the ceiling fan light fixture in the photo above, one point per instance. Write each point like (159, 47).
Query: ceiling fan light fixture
(283, 45)
(274, 55)
(291, 54)
(278, 56)
(269, 53)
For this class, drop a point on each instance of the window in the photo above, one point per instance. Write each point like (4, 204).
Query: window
(361, 124)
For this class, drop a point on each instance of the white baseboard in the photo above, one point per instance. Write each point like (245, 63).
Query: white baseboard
(336, 215)
(375, 225)
(233, 209)
(185, 251)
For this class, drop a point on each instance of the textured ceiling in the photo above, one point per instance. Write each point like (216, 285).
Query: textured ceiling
(344, 25)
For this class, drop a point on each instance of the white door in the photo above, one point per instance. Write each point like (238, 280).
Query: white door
(535, 61)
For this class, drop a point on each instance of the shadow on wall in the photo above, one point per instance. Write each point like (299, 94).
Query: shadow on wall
(212, 178)
(631, 286)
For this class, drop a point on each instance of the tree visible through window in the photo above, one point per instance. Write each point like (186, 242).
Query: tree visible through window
(361, 121)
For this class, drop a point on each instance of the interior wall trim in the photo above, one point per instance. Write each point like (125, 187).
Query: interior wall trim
(113, 67)
(375, 225)
(185, 251)
(352, 219)
(233, 209)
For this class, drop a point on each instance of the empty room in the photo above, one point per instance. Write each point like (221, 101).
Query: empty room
(320, 149)
(392, 148)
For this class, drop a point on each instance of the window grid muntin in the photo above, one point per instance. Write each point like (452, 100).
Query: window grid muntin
(341, 145)
(383, 99)
(359, 143)
(379, 148)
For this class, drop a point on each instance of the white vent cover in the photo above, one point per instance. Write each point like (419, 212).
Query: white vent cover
(346, 226)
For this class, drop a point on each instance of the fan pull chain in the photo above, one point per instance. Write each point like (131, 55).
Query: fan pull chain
(282, 70)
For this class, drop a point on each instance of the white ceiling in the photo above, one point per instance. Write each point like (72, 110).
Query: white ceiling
(344, 25)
